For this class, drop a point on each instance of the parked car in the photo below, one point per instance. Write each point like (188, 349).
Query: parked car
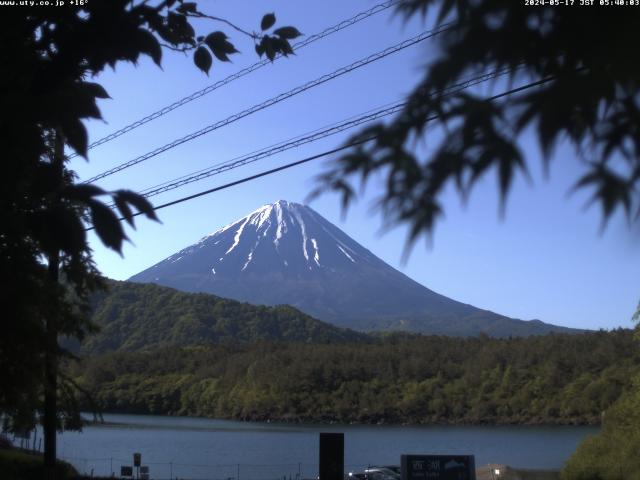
(382, 473)
(376, 473)
(394, 468)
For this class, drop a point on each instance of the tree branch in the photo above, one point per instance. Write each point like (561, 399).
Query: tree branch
(227, 22)
(177, 49)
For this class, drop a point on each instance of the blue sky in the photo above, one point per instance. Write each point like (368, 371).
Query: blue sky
(546, 258)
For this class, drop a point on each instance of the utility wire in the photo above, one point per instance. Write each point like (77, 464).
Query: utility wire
(260, 150)
(270, 151)
(252, 177)
(245, 71)
(306, 138)
(319, 155)
(277, 99)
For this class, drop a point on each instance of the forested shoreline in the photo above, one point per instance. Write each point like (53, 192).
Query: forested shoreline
(555, 379)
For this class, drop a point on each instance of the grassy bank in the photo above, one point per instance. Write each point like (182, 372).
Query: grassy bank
(17, 464)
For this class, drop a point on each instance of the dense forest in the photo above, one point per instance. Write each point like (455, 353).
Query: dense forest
(555, 379)
(612, 454)
(133, 316)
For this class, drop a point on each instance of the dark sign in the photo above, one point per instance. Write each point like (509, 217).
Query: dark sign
(331, 456)
(126, 471)
(137, 459)
(144, 469)
(438, 467)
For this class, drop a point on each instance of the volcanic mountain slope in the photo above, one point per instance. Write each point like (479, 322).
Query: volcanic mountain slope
(286, 253)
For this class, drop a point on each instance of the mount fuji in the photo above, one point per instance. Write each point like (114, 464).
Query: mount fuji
(286, 253)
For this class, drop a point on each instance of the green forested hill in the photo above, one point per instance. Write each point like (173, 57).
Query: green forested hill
(557, 378)
(134, 316)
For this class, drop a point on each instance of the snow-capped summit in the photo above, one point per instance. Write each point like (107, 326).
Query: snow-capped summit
(282, 236)
(286, 253)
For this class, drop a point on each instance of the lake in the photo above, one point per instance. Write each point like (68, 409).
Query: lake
(198, 448)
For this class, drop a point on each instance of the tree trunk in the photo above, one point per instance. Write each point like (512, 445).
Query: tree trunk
(51, 383)
(49, 422)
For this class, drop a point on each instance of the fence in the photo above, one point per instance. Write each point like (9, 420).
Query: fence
(184, 471)
(110, 467)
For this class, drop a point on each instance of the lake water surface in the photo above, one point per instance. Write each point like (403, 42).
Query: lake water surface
(197, 448)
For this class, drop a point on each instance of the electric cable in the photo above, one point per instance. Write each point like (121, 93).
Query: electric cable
(317, 156)
(274, 100)
(241, 73)
(310, 137)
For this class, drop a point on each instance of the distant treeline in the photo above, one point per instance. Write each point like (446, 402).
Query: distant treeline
(555, 379)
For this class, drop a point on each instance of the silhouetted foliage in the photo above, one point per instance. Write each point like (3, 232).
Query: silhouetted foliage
(585, 82)
(48, 57)
(584, 61)
(554, 379)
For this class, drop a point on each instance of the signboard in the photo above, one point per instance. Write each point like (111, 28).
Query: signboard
(144, 469)
(126, 471)
(331, 465)
(137, 459)
(438, 467)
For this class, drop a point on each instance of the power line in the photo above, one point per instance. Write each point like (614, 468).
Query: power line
(319, 155)
(252, 177)
(245, 71)
(274, 100)
(270, 151)
(259, 151)
(304, 139)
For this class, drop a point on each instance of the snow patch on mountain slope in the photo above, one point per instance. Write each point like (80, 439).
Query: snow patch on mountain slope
(282, 225)
(341, 245)
(260, 216)
(236, 238)
(346, 254)
(316, 254)
(303, 230)
(278, 235)
(250, 256)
